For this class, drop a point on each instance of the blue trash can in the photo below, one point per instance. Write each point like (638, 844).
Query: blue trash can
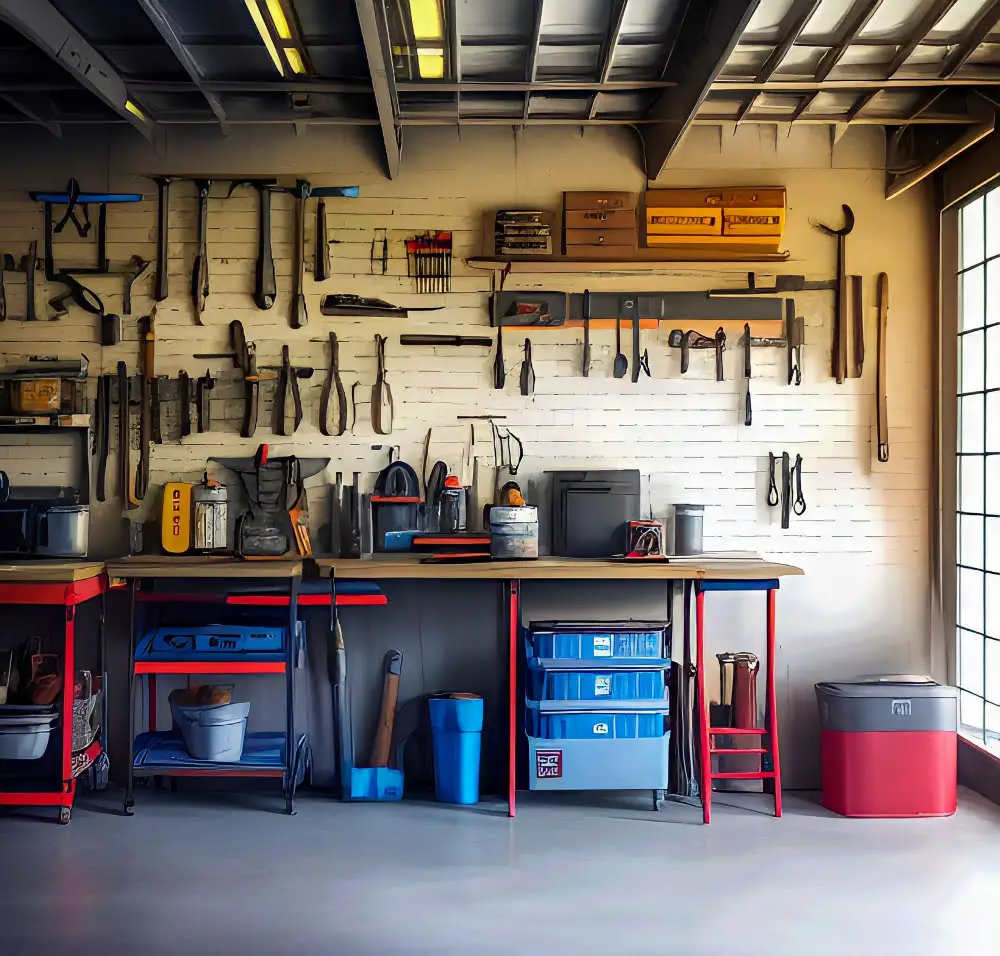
(457, 727)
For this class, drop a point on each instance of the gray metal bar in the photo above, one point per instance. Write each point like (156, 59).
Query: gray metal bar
(531, 61)
(978, 32)
(38, 107)
(375, 34)
(50, 31)
(615, 20)
(165, 28)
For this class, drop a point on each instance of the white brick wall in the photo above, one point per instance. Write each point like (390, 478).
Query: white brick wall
(863, 605)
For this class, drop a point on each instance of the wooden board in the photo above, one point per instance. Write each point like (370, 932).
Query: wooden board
(50, 572)
(549, 568)
(199, 566)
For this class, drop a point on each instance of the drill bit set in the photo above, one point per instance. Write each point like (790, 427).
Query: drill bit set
(428, 260)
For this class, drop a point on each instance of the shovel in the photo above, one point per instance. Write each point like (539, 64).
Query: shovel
(621, 362)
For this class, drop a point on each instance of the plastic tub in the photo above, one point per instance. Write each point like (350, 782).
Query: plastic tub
(589, 644)
(689, 524)
(457, 726)
(214, 732)
(25, 738)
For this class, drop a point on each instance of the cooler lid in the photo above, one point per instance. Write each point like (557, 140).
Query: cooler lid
(887, 685)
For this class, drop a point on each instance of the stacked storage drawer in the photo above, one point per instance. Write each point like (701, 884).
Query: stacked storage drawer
(597, 705)
(600, 225)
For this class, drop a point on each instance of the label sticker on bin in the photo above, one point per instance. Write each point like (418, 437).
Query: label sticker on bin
(602, 685)
(548, 764)
(602, 645)
(601, 728)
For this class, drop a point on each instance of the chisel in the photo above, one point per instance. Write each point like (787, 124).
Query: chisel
(747, 372)
(586, 333)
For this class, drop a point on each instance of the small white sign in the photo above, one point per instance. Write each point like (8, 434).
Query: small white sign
(601, 729)
(602, 685)
(602, 646)
(902, 708)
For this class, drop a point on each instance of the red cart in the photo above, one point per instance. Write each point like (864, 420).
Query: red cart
(68, 584)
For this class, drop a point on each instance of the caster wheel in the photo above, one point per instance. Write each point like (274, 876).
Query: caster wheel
(658, 796)
(130, 808)
(65, 813)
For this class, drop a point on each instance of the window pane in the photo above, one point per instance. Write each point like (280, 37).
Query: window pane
(970, 599)
(970, 414)
(993, 545)
(973, 306)
(970, 478)
(992, 720)
(992, 671)
(970, 542)
(971, 713)
(992, 628)
(993, 223)
(993, 421)
(993, 357)
(970, 661)
(993, 485)
(992, 291)
(972, 361)
(972, 233)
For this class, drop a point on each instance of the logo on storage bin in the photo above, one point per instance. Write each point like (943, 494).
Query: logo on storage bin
(902, 708)
(602, 646)
(601, 729)
(548, 764)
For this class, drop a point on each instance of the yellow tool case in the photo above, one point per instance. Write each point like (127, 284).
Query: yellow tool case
(737, 219)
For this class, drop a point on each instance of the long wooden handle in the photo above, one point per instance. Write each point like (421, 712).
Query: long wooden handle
(387, 713)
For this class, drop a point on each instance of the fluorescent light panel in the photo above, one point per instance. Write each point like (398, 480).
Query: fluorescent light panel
(265, 35)
(425, 16)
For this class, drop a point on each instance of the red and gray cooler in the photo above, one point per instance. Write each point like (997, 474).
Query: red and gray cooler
(890, 746)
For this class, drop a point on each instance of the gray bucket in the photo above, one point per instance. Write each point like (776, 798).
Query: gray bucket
(214, 732)
(689, 526)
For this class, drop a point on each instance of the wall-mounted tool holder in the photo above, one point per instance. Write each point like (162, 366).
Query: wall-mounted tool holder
(428, 261)
(790, 497)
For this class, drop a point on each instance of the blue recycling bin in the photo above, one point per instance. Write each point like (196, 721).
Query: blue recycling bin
(457, 728)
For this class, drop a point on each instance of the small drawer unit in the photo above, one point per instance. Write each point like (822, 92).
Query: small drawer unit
(600, 225)
(597, 709)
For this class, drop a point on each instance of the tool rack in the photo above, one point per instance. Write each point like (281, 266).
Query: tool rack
(63, 584)
(282, 757)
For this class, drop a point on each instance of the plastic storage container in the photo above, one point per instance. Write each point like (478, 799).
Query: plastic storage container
(457, 726)
(214, 732)
(548, 684)
(593, 725)
(889, 746)
(236, 642)
(545, 640)
(25, 737)
(689, 528)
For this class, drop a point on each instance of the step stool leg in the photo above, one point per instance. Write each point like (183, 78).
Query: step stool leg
(771, 705)
(703, 735)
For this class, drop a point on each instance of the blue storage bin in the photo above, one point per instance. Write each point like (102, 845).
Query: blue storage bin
(597, 643)
(456, 726)
(545, 684)
(593, 726)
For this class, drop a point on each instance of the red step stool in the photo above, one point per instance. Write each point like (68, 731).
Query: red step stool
(768, 733)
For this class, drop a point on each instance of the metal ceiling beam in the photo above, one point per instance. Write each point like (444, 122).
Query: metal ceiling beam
(38, 107)
(862, 83)
(455, 41)
(516, 86)
(375, 34)
(161, 21)
(835, 119)
(977, 34)
(250, 86)
(50, 31)
(857, 20)
(706, 38)
(531, 61)
(794, 23)
(615, 20)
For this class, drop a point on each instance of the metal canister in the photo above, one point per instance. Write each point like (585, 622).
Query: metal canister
(513, 532)
(210, 503)
(738, 709)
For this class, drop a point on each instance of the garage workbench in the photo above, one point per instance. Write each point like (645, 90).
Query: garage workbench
(702, 576)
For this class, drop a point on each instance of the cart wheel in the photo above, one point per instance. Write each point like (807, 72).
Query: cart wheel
(130, 808)
(658, 799)
(64, 815)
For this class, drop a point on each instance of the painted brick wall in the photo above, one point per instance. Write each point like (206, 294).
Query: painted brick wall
(863, 605)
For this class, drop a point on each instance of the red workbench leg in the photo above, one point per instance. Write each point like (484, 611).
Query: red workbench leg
(69, 680)
(151, 704)
(771, 707)
(705, 745)
(514, 625)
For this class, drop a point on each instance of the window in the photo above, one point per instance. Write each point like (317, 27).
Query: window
(978, 440)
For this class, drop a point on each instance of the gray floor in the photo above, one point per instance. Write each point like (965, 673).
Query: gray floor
(192, 875)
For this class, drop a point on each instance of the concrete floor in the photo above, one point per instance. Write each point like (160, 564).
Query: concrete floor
(219, 874)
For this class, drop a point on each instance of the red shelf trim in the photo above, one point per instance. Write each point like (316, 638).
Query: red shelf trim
(209, 667)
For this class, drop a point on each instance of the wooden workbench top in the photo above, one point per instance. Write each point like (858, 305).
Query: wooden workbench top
(50, 572)
(549, 568)
(200, 566)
